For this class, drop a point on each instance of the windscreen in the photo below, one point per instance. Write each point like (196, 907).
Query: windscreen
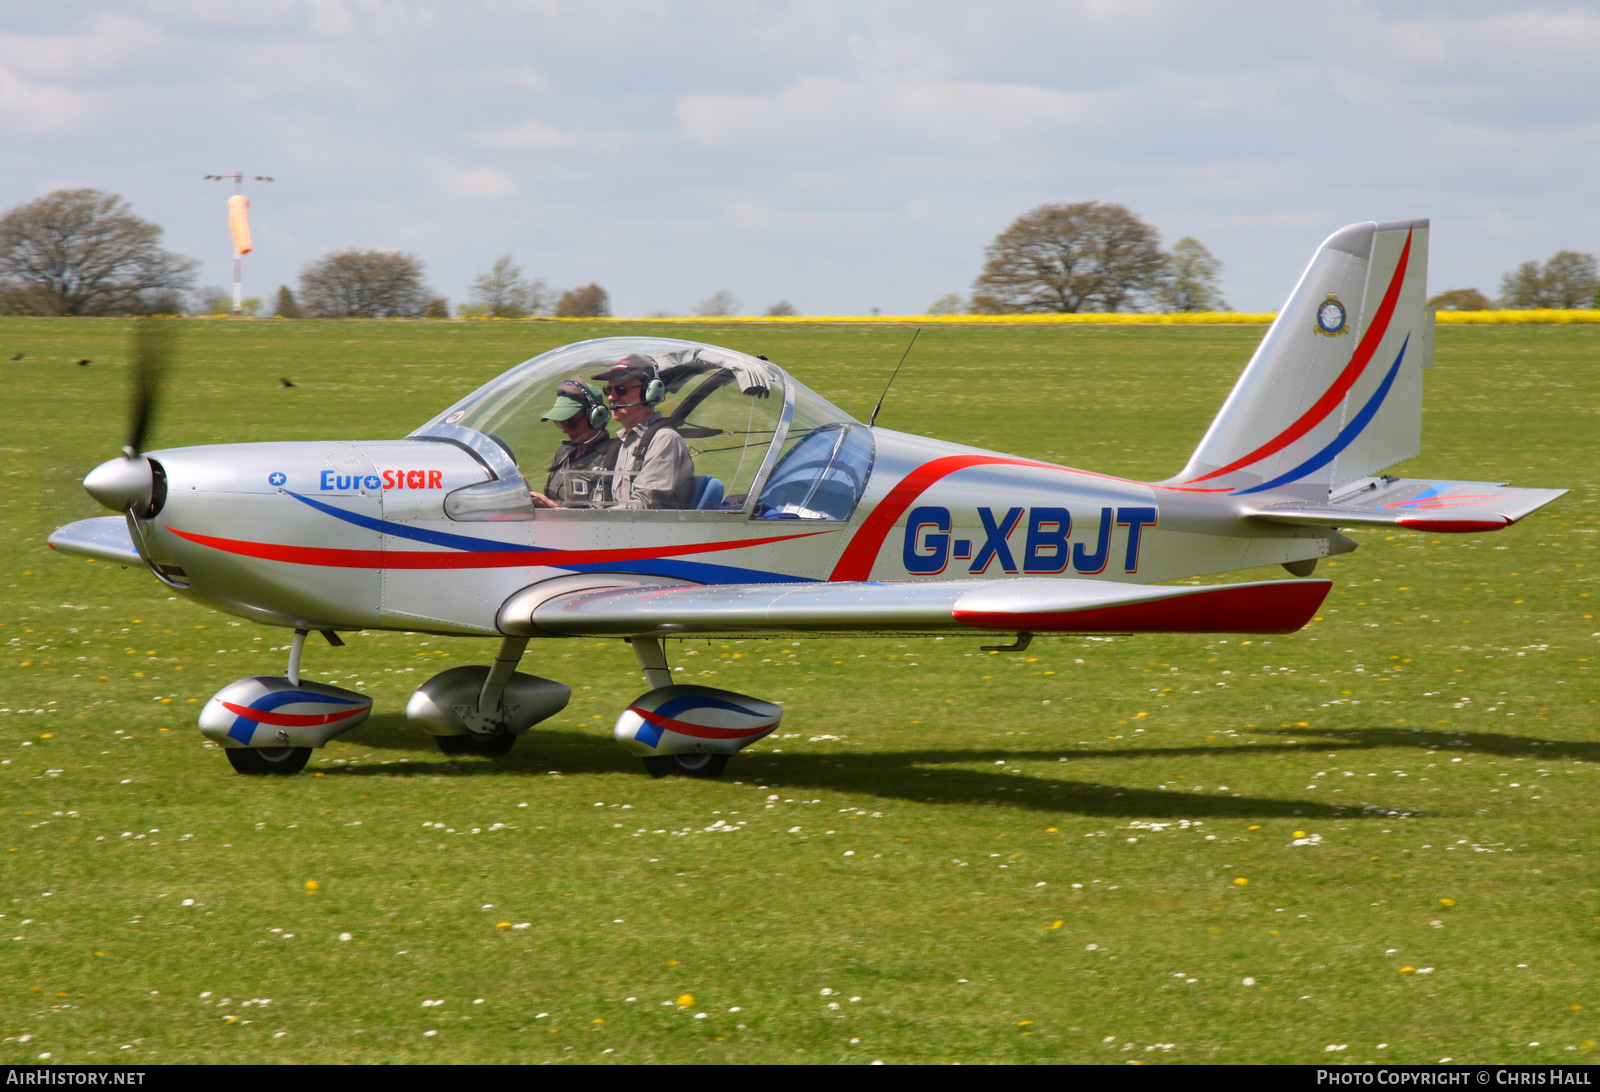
(824, 466)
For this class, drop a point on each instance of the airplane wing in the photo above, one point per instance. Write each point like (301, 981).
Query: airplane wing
(1025, 604)
(1419, 504)
(104, 538)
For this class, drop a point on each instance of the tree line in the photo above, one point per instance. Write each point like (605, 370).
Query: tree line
(1101, 257)
(1569, 280)
(85, 252)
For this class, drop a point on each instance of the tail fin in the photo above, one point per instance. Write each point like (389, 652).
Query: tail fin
(1334, 392)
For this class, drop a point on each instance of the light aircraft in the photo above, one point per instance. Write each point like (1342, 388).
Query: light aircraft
(804, 521)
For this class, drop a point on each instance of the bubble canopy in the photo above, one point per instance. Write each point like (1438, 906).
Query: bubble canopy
(775, 448)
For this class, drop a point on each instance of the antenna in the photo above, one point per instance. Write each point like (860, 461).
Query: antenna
(238, 220)
(871, 420)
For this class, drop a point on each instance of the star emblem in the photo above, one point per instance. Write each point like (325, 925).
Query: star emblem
(277, 477)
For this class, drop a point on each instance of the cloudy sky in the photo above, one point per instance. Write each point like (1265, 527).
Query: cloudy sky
(841, 155)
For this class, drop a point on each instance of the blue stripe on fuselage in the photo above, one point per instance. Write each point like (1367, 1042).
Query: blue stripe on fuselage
(697, 571)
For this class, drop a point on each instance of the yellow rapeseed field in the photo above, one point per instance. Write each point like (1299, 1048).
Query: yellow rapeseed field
(1547, 316)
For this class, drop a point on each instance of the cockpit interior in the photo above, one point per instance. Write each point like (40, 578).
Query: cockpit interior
(764, 446)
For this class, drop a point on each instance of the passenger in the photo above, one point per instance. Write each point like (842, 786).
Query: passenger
(653, 465)
(580, 471)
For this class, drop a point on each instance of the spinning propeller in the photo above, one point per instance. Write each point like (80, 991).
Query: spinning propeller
(134, 483)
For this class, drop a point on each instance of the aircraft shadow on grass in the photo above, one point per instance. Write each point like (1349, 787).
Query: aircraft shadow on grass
(937, 776)
(1497, 743)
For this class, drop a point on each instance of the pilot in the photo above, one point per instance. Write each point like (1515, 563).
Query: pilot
(654, 468)
(580, 471)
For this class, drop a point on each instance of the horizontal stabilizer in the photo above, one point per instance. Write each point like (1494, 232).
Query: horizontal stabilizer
(1037, 605)
(1418, 504)
(104, 538)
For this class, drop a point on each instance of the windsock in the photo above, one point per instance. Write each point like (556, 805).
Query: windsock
(239, 222)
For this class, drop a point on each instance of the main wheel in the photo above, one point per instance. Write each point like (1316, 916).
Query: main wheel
(491, 747)
(268, 760)
(705, 767)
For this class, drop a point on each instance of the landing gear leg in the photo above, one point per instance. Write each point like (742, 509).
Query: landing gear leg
(297, 649)
(486, 733)
(652, 660)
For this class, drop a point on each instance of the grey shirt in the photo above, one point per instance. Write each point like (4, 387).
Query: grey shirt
(666, 480)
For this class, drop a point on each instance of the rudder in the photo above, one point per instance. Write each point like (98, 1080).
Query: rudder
(1333, 393)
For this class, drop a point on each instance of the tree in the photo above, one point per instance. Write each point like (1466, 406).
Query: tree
(503, 293)
(364, 284)
(950, 303)
(1081, 257)
(1522, 287)
(288, 306)
(1568, 280)
(84, 252)
(590, 301)
(1460, 299)
(1191, 279)
(210, 299)
(719, 304)
(782, 309)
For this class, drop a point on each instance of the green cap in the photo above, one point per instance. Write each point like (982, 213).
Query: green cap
(573, 396)
(564, 408)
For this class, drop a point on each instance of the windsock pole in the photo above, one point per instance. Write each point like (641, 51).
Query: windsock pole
(239, 227)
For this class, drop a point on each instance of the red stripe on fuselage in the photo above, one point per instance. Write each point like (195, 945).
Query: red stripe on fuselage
(1341, 386)
(462, 559)
(855, 563)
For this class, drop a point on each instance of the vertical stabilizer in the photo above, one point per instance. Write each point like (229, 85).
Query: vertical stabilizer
(1334, 392)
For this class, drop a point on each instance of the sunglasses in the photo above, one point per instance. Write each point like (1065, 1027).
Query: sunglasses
(621, 390)
(570, 422)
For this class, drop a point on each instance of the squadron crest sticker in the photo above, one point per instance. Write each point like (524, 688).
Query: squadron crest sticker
(1331, 318)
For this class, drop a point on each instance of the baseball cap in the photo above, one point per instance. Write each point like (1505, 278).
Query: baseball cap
(633, 366)
(570, 400)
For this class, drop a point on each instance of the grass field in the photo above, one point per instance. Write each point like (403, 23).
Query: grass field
(1376, 839)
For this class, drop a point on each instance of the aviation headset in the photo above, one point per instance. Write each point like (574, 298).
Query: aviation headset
(653, 390)
(595, 411)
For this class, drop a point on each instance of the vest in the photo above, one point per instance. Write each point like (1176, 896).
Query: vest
(583, 481)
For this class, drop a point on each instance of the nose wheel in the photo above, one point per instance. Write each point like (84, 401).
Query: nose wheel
(705, 767)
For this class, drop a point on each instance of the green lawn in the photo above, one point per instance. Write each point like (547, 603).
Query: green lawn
(1374, 840)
